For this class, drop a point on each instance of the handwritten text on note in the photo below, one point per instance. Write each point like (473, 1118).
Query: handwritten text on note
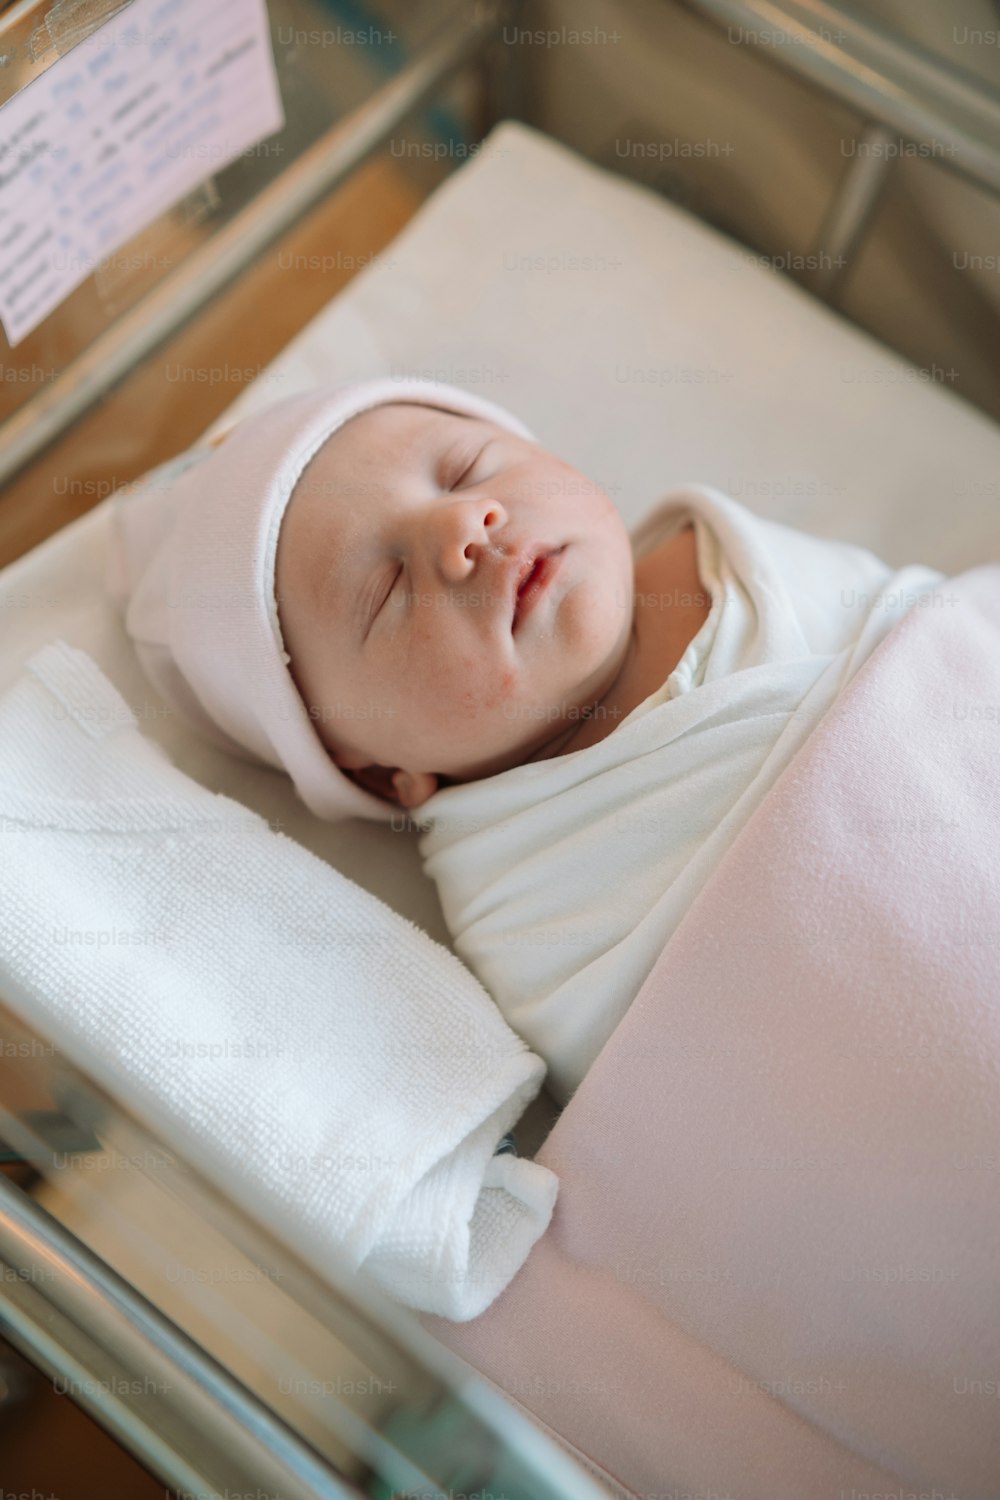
(117, 131)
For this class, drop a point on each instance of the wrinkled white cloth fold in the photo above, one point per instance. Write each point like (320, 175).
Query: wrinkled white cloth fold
(321, 1059)
(561, 880)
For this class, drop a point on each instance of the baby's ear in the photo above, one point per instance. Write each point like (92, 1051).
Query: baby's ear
(404, 788)
(414, 788)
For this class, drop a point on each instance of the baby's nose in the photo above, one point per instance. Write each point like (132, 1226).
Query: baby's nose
(467, 529)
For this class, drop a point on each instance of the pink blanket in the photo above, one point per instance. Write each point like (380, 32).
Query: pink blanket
(774, 1264)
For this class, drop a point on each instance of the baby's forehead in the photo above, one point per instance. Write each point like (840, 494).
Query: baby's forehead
(352, 462)
(353, 471)
(384, 437)
(396, 428)
(344, 487)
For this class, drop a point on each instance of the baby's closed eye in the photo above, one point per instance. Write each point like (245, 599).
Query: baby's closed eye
(466, 464)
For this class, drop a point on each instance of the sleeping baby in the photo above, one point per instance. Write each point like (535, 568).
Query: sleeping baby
(391, 592)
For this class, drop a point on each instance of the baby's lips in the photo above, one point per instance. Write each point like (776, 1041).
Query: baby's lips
(544, 565)
(510, 573)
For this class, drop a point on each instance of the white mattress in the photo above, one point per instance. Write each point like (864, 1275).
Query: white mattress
(641, 346)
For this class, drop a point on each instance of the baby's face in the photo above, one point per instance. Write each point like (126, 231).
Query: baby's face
(397, 571)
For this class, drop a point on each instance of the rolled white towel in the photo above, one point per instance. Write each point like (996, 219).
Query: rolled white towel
(323, 1060)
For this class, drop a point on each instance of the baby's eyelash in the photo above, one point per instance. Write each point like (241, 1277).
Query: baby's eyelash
(388, 592)
(469, 467)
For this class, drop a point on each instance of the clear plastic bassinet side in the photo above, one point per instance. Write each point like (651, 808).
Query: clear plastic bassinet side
(206, 1347)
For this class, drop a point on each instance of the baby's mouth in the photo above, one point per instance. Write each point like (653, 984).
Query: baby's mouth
(533, 582)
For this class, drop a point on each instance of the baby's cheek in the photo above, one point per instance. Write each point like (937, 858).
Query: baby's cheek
(481, 696)
(500, 692)
(467, 708)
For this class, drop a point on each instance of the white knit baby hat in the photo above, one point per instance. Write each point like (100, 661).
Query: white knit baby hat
(191, 568)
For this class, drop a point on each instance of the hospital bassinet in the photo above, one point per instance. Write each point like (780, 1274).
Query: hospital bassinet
(561, 292)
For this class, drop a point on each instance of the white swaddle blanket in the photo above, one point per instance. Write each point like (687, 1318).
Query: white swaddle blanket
(321, 1059)
(562, 880)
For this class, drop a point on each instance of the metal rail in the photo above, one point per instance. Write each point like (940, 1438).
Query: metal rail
(901, 92)
(321, 169)
(169, 1404)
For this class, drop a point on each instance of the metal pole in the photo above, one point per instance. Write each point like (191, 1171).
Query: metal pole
(168, 1403)
(850, 212)
(885, 78)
